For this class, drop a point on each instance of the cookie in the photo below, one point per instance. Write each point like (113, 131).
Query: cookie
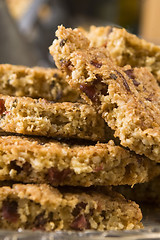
(126, 48)
(40, 117)
(128, 99)
(36, 82)
(31, 160)
(40, 207)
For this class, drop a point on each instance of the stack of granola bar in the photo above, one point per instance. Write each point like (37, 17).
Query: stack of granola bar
(63, 147)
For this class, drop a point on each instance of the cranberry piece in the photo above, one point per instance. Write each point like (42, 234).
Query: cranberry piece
(76, 211)
(80, 223)
(55, 176)
(9, 211)
(130, 73)
(124, 81)
(62, 42)
(95, 63)
(90, 91)
(2, 106)
(113, 76)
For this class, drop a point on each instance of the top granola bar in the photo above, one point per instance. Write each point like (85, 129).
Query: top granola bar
(127, 98)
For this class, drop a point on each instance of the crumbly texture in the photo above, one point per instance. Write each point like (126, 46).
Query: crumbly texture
(143, 193)
(40, 207)
(57, 163)
(98, 36)
(126, 48)
(128, 99)
(36, 82)
(40, 117)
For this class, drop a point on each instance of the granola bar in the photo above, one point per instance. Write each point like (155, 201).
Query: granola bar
(36, 82)
(57, 163)
(40, 117)
(128, 99)
(40, 207)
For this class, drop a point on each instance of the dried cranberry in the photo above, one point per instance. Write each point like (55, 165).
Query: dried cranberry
(113, 76)
(95, 63)
(99, 168)
(62, 42)
(76, 211)
(130, 73)
(124, 81)
(98, 78)
(55, 176)
(9, 211)
(135, 82)
(80, 223)
(2, 106)
(90, 91)
(27, 167)
(66, 64)
(13, 165)
(104, 89)
(40, 221)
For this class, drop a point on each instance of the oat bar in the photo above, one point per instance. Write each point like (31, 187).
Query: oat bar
(40, 117)
(40, 160)
(128, 99)
(40, 207)
(36, 82)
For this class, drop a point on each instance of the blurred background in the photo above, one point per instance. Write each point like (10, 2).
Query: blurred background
(28, 26)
